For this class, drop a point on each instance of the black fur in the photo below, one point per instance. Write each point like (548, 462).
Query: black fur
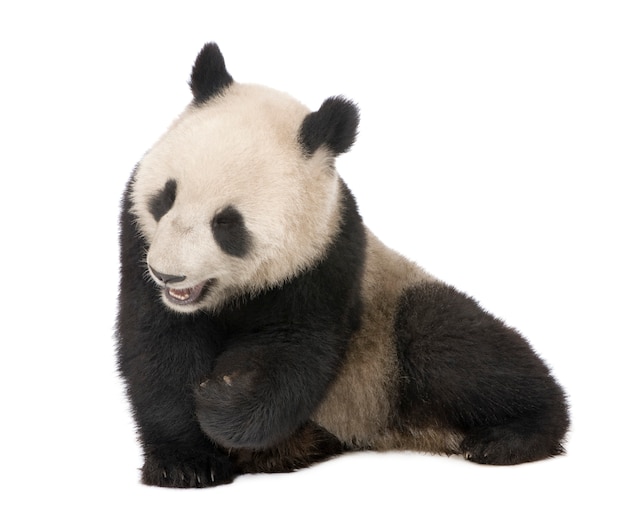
(468, 371)
(230, 232)
(162, 202)
(279, 351)
(333, 125)
(209, 76)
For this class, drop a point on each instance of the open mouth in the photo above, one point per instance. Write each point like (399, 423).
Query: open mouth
(186, 296)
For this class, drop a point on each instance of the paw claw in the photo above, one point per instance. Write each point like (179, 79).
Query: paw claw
(195, 472)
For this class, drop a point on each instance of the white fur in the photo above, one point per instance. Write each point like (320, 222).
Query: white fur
(241, 149)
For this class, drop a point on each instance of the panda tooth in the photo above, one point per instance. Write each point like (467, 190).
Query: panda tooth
(185, 296)
(179, 294)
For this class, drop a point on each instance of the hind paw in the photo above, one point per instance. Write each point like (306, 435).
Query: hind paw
(489, 453)
(503, 445)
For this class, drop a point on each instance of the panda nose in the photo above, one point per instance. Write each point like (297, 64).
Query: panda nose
(165, 278)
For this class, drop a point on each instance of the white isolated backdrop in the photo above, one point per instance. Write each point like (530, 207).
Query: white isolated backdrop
(491, 151)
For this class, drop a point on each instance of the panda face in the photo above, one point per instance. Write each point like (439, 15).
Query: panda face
(230, 203)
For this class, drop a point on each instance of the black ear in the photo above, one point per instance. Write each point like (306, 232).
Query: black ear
(333, 125)
(209, 75)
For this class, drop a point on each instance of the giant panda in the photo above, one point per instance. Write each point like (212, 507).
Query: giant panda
(262, 327)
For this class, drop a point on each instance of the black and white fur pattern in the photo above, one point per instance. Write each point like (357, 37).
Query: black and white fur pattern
(262, 327)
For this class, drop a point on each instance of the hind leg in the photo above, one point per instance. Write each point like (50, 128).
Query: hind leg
(466, 371)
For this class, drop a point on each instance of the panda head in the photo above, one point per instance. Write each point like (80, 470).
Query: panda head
(240, 194)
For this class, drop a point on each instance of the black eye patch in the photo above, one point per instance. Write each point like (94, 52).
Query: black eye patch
(230, 232)
(162, 202)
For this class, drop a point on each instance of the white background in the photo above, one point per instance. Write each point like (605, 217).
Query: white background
(491, 151)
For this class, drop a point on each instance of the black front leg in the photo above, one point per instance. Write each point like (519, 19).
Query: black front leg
(265, 386)
(162, 357)
(176, 452)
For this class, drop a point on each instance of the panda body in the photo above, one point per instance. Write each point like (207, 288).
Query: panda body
(361, 405)
(262, 327)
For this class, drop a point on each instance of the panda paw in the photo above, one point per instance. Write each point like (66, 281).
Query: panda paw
(236, 370)
(234, 378)
(197, 471)
(225, 407)
(508, 445)
(487, 453)
(231, 388)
